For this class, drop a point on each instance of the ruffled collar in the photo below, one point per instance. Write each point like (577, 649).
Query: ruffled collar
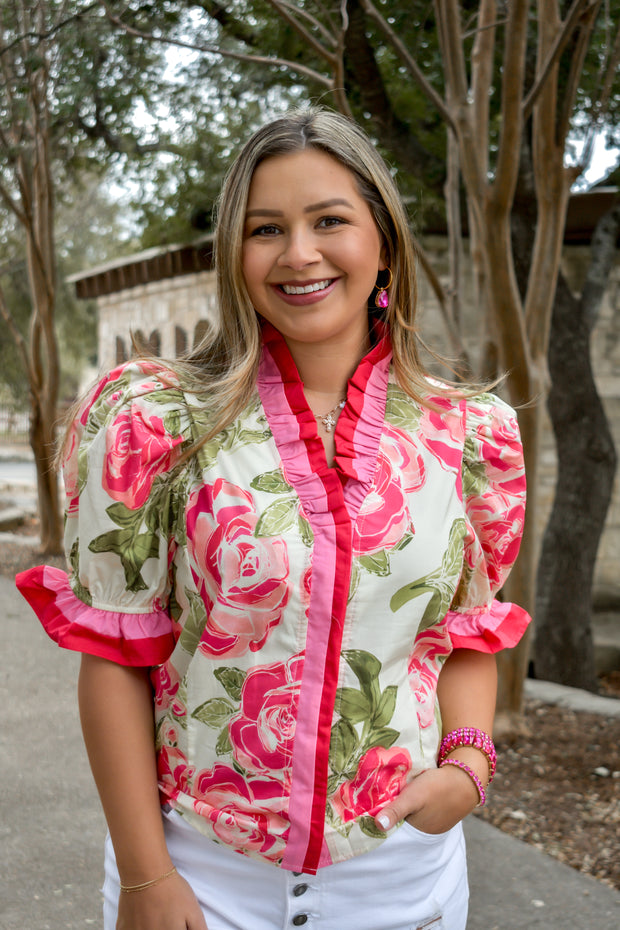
(358, 430)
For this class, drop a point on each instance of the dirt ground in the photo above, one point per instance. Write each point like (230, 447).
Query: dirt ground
(557, 789)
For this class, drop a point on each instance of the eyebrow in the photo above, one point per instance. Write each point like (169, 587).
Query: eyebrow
(311, 208)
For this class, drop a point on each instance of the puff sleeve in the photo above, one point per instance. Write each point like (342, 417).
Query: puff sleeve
(120, 519)
(493, 495)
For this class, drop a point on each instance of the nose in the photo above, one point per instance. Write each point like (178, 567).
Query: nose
(299, 250)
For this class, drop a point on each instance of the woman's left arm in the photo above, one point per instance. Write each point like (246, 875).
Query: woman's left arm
(439, 798)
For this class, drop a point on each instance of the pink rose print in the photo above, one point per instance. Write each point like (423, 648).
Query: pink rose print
(243, 579)
(263, 730)
(138, 448)
(430, 649)
(70, 469)
(442, 434)
(384, 517)
(174, 774)
(246, 815)
(380, 777)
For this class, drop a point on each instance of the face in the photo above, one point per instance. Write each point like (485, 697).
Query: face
(311, 249)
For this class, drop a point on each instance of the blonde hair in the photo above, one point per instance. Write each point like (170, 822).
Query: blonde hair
(225, 363)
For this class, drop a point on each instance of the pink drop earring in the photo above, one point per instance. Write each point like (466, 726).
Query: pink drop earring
(382, 300)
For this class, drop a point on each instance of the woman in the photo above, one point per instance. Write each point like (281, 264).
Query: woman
(283, 542)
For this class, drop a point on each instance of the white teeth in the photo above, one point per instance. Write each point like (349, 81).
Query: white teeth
(308, 289)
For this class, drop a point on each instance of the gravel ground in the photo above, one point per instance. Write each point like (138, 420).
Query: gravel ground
(557, 788)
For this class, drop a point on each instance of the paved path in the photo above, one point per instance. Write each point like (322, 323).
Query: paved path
(52, 830)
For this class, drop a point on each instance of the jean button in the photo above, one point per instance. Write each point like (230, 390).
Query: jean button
(299, 920)
(300, 889)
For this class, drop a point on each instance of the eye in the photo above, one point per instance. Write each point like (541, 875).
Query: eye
(328, 222)
(267, 230)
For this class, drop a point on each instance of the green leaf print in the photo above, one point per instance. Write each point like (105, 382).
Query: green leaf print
(132, 550)
(223, 746)
(368, 826)
(384, 736)
(353, 705)
(401, 410)
(364, 664)
(277, 518)
(305, 531)
(386, 707)
(475, 480)
(377, 564)
(271, 481)
(343, 745)
(77, 587)
(194, 623)
(215, 712)
(440, 583)
(231, 680)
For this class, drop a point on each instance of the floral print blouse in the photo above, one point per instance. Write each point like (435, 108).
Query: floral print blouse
(295, 616)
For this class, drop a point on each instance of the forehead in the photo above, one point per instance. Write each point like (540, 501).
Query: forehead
(299, 175)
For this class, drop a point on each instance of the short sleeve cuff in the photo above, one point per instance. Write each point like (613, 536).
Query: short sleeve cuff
(144, 639)
(492, 629)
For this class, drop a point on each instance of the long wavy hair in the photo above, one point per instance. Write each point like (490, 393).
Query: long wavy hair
(225, 362)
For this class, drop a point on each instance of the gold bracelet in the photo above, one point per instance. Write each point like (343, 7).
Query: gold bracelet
(127, 889)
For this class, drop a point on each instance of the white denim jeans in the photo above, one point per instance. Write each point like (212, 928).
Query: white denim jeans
(413, 881)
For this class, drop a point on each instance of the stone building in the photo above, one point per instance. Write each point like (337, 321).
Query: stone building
(165, 299)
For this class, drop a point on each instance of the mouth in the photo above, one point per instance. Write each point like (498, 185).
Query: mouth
(295, 289)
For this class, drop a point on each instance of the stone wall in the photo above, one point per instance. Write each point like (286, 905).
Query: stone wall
(169, 315)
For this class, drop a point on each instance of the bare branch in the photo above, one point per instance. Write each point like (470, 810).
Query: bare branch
(577, 58)
(20, 342)
(224, 53)
(284, 12)
(513, 74)
(312, 20)
(482, 75)
(408, 61)
(555, 51)
(43, 36)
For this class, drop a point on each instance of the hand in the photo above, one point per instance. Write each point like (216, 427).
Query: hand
(171, 905)
(433, 801)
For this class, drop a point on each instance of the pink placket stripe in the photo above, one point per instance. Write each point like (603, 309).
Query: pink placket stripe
(321, 494)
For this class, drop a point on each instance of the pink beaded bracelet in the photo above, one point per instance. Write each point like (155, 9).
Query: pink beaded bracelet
(470, 736)
(472, 775)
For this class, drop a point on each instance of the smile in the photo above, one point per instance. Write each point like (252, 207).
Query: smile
(306, 289)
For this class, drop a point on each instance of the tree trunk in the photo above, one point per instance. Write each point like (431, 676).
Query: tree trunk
(564, 649)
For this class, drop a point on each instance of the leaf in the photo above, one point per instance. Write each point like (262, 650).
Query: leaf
(277, 518)
(386, 707)
(400, 410)
(231, 680)
(223, 745)
(355, 580)
(408, 592)
(123, 516)
(344, 743)
(271, 481)
(377, 564)
(194, 623)
(384, 737)
(215, 712)
(305, 531)
(364, 664)
(368, 826)
(352, 704)
(404, 541)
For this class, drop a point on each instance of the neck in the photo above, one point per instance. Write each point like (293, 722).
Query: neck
(326, 369)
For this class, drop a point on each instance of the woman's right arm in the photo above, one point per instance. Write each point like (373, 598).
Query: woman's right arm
(116, 710)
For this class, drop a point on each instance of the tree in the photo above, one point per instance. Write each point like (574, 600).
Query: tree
(468, 70)
(68, 92)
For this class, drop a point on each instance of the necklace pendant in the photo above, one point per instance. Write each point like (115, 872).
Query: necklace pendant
(328, 422)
